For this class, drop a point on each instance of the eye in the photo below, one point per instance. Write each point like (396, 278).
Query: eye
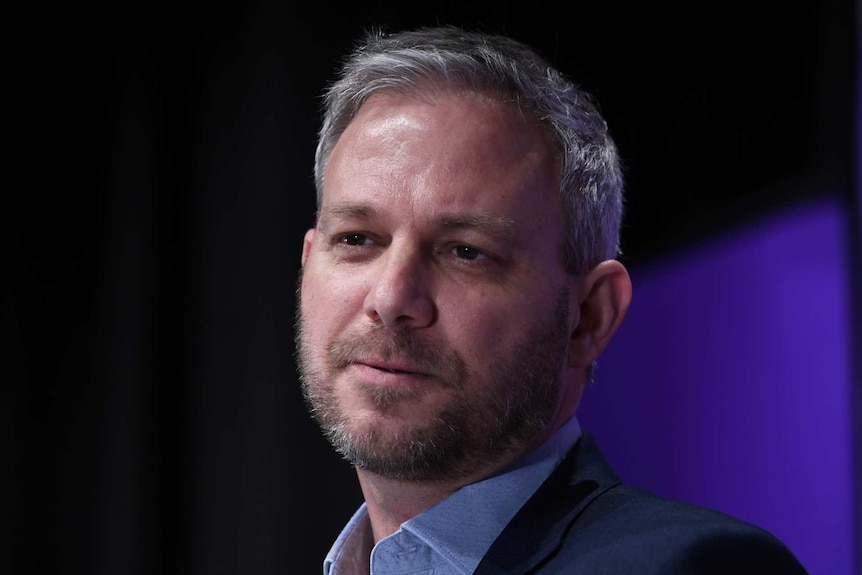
(353, 239)
(467, 252)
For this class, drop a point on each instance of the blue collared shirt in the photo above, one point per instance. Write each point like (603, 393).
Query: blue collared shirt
(452, 537)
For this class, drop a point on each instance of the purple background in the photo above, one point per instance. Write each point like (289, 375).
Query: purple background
(729, 382)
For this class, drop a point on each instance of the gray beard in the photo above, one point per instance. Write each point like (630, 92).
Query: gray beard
(514, 403)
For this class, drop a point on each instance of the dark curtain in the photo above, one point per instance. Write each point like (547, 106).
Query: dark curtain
(160, 185)
(157, 424)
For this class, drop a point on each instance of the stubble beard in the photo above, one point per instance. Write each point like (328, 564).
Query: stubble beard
(483, 422)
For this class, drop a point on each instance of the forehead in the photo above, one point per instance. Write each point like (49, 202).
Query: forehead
(476, 122)
(452, 152)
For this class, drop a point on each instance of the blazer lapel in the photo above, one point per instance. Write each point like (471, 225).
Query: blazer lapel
(538, 529)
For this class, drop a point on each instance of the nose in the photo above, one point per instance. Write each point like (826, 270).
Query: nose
(399, 295)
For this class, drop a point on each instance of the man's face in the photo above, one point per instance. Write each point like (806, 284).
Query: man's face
(435, 312)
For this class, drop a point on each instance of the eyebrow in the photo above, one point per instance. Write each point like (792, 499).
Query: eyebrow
(344, 211)
(480, 221)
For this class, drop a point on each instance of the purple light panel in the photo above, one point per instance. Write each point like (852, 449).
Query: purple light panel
(729, 382)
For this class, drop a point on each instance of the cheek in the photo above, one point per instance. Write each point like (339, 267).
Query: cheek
(328, 303)
(480, 329)
(493, 327)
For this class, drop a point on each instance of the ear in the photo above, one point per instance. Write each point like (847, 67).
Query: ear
(306, 245)
(604, 294)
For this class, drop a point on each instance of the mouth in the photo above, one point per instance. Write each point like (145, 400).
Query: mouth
(390, 368)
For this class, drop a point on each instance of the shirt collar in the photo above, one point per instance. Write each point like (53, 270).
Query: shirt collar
(463, 526)
(349, 553)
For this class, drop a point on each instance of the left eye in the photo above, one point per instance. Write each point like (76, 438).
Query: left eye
(354, 239)
(467, 252)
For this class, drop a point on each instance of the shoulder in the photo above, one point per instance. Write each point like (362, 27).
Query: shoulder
(584, 520)
(627, 530)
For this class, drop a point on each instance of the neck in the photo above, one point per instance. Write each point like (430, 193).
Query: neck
(391, 502)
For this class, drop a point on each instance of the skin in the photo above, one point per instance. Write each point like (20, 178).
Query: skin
(441, 225)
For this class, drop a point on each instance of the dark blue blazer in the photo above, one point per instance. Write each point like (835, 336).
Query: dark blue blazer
(583, 520)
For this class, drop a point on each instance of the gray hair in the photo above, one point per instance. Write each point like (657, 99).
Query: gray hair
(449, 58)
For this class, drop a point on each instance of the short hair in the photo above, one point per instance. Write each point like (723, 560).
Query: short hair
(452, 58)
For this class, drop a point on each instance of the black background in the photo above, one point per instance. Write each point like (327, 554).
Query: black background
(160, 183)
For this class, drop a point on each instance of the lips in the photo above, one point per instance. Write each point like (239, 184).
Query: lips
(387, 358)
(390, 375)
(392, 368)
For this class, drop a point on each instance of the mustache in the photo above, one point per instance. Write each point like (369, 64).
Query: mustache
(383, 343)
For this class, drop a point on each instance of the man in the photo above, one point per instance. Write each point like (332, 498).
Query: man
(457, 288)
